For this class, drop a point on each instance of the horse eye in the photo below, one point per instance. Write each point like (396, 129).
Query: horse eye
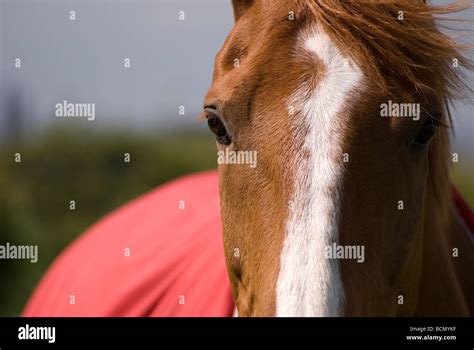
(426, 133)
(218, 128)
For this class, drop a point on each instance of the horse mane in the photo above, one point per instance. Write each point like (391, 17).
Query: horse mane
(412, 53)
(411, 50)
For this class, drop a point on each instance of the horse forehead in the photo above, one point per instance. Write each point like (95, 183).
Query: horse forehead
(331, 76)
(316, 288)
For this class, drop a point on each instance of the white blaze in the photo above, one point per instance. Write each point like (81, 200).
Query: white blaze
(308, 283)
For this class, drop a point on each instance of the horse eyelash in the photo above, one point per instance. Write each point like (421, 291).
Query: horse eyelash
(437, 118)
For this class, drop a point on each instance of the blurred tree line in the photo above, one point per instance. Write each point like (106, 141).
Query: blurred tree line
(89, 168)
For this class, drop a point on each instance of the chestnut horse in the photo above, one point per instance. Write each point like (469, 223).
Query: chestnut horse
(349, 209)
(332, 128)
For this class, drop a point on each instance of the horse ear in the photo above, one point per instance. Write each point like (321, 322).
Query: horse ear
(240, 6)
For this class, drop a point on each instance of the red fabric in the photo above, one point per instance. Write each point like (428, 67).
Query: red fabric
(463, 208)
(174, 253)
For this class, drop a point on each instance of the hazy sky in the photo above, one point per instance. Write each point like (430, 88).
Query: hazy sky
(82, 60)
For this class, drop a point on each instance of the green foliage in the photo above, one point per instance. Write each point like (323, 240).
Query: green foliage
(88, 168)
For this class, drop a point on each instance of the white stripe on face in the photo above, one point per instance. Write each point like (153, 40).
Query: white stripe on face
(308, 283)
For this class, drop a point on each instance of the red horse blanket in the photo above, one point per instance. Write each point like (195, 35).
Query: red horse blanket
(160, 255)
